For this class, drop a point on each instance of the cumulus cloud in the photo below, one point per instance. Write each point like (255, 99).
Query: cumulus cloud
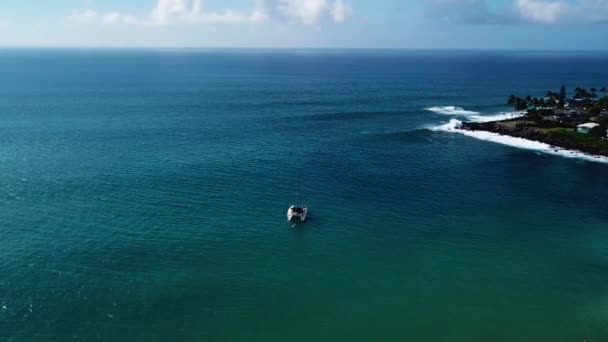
(90, 16)
(542, 11)
(167, 11)
(84, 16)
(531, 11)
(171, 11)
(311, 12)
(117, 18)
(555, 11)
(193, 11)
(340, 11)
(595, 10)
(306, 11)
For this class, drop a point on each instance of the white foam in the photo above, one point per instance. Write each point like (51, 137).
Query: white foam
(454, 126)
(495, 117)
(451, 110)
(474, 116)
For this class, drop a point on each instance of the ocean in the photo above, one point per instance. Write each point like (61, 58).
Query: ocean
(144, 194)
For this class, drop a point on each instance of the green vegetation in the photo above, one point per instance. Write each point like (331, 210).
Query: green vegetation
(586, 102)
(592, 139)
(555, 119)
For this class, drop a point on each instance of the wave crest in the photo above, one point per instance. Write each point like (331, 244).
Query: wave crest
(495, 117)
(455, 126)
(472, 115)
(451, 126)
(451, 110)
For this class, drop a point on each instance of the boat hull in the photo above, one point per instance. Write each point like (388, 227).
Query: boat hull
(295, 215)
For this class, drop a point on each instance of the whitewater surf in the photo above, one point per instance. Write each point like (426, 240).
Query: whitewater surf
(455, 126)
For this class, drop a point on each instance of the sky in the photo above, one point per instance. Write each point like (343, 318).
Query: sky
(408, 24)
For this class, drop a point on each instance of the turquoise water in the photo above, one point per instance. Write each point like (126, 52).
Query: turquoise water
(143, 198)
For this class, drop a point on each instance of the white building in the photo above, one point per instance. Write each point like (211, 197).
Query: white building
(586, 128)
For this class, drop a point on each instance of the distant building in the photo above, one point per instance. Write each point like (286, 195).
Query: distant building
(570, 112)
(586, 128)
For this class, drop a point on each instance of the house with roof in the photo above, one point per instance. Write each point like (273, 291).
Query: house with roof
(586, 128)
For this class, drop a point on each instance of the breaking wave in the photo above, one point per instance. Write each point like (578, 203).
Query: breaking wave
(451, 110)
(473, 116)
(495, 117)
(454, 126)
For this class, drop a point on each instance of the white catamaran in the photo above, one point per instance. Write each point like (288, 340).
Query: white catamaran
(297, 210)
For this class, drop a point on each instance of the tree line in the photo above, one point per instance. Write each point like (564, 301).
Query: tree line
(558, 100)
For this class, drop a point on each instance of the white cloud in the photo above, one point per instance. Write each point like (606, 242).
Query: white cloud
(594, 10)
(167, 11)
(341, 11)
(306, 11)
(89, 16)
(117, 18)
(311, 12)
(84, 16)
(532, 11)
(171, 11)
(540, 11)
(555, 11)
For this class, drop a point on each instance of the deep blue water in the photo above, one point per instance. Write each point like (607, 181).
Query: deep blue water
(143, 197)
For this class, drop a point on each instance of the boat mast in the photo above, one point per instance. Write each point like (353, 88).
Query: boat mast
(298, 198)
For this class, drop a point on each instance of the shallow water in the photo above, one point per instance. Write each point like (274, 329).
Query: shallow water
(144, 197)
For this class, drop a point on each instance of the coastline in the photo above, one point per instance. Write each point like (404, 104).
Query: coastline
(513, 129)
(506, 132)
(522, 141)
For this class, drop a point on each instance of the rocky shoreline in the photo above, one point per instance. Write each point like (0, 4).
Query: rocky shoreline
(527, 130)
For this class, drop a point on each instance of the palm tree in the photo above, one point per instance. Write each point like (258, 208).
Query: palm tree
(562, 94)
(512, 101)
(536, 102)
(593, 93)
(521, 104)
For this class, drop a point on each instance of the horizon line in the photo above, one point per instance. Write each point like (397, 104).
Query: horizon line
(159, 47)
